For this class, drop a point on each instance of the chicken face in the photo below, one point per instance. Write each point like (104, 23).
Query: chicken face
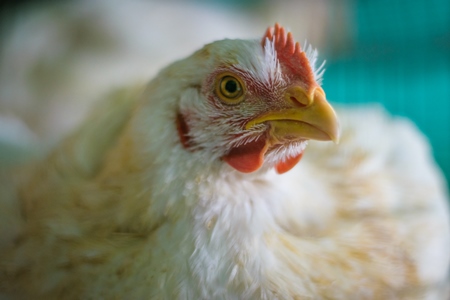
(258, 105)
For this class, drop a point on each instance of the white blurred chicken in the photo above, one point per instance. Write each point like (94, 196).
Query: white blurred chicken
(189, 189)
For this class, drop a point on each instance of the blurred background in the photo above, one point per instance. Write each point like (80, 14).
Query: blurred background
(57, 57)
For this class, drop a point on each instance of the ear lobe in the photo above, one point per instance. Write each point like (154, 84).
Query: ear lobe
(183, 131)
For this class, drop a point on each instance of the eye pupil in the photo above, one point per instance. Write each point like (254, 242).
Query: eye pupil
(231, 86)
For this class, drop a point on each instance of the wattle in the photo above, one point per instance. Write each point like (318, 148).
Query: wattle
(249, 157)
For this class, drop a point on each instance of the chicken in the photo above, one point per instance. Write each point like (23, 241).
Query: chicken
(191, 188)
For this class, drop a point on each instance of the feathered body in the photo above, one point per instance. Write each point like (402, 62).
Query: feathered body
(150, 199)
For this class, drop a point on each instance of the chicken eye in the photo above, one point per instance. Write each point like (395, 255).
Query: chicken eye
(229, 89)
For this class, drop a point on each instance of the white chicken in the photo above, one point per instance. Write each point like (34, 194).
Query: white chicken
(190, 189)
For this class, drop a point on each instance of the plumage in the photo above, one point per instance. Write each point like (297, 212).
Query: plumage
(173, 191)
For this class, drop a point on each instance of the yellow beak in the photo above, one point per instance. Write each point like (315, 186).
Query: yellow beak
(309, 116)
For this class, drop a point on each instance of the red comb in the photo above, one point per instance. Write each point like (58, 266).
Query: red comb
(289, 53)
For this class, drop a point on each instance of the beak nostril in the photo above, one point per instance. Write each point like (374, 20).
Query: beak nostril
(297, 97)
(297, 102)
